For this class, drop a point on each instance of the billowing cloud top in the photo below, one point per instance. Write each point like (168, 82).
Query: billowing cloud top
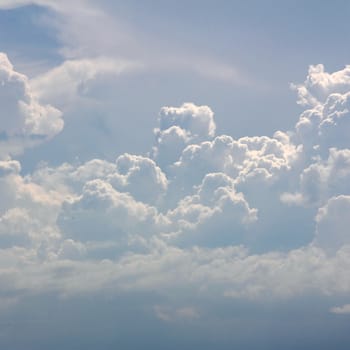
(24, 121)
(213, 210)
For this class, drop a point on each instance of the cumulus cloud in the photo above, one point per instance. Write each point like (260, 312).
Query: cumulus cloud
(193, 208)
(137, 175)
(322, 131)
(215, 215)
(24, 121)
(256, 165)
(200, 218)
(320, 84)
(103, 213)
(28, 211)
(324, 179)
(333, 224)
(141, 177)
(181, 126)
(325, 125)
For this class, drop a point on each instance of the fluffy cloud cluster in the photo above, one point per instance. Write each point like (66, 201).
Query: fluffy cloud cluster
(214, 215)
(326, 178)
(24, 121)
(319, 85)
(325, 123)
(179, 127)
(333, 224)
(198, 206)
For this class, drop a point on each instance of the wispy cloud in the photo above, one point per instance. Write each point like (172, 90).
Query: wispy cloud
(340, 310)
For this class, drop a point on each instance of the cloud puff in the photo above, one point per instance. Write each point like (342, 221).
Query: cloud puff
(24, 121)
(9, 166)
(325, 125)
(198, 121)
(322, 131)
(14, 227)
(169, 314)
(141, 177)
(28, 215)
(254, 163)
(102, 213)
(341, 310)
(333, 224)
(137, 175)
(180, 126)
(325, 179)
(193, 209)
(215, 215)
(320, 84)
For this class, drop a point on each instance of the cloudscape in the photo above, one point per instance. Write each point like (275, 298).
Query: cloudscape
(174, 175)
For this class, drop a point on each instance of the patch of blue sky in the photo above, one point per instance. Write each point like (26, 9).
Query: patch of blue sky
(29, 41)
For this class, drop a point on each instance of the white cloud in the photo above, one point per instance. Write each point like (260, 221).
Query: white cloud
(229, 271)
(28, 211)
(168, 314)
(320, 84)
(322, 179)
(341, 310)
(102, 213)
(254, 163)
(72, 250)
(183, 221)
(141, 177)
(333, 224)
(75, 79)
(14, 227)
(198, 121)
(24, 121)
(181, 126)
(137, 175)
(191, 212)
(325, 125)
(215, 215)
(9, 166)
(8, 4)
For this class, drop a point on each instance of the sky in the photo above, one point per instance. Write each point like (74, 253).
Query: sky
(174, 175)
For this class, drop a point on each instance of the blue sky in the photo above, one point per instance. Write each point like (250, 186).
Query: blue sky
(174, 174)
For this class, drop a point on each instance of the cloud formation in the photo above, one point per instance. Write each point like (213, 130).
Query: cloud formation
(179, 127)
(333, 224)
(76, 79)
(196, 207)
(341, 310)
(24, 121)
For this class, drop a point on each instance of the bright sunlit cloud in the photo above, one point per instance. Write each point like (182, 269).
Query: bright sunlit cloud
(116, 220)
